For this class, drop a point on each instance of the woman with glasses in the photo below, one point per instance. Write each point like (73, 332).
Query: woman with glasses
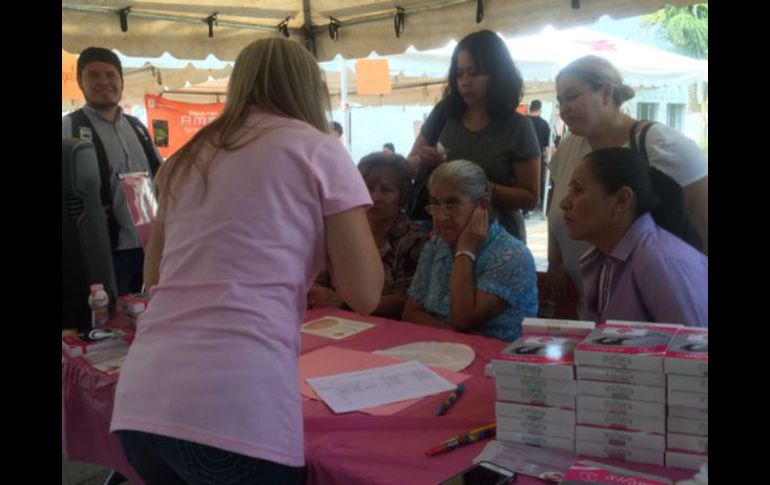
(473, 276)
(590, 92)
(398, 238)
(477, 121)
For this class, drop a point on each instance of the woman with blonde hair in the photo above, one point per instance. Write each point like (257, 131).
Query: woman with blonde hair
(249, 212)
(590, 93)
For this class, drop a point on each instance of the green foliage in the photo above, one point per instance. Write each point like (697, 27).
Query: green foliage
(687, 28)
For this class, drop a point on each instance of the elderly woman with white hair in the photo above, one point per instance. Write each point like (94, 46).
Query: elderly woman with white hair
(472, 276)
(590, 92)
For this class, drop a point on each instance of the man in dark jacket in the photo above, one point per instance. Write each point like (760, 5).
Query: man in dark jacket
(123, 145)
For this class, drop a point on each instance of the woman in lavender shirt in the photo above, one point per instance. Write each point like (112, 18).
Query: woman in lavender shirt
(640, 269)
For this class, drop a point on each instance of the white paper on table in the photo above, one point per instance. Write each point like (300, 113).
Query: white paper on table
(108, 360)
(351, 391)
(532, 461)
(336, 328)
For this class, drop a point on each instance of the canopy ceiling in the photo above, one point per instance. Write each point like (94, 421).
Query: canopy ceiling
(180, 27)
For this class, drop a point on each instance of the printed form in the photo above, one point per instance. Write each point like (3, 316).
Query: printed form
(352, 391)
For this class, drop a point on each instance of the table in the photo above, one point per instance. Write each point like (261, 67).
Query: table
(340, 449)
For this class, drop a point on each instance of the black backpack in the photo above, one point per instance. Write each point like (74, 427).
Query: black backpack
(671, 213)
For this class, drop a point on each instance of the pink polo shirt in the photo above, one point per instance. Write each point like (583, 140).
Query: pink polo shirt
(215, 355)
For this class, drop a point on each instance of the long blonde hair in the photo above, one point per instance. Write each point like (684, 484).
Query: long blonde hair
(275, 74)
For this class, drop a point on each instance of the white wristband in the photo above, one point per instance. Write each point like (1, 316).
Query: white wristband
(466, 253)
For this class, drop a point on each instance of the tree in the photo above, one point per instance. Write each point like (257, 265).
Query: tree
(687, 29)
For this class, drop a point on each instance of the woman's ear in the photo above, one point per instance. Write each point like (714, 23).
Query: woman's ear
(484, 203)
(625, 200)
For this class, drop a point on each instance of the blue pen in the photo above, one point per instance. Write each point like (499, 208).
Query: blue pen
(450, 400)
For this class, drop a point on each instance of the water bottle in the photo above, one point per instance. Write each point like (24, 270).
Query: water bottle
(99, 302)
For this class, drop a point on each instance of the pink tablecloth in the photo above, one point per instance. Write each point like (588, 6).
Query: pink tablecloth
(339, 449)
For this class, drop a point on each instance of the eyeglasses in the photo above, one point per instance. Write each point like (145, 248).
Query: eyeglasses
(452, 208)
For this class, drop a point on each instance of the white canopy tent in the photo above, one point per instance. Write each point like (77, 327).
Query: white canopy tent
(418, 76)
(193, 29)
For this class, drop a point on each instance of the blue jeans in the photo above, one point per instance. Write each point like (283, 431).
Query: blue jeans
(162, 460)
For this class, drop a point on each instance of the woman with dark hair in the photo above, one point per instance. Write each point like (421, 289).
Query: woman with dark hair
(640, 268)
(399, 239)
(477, 121)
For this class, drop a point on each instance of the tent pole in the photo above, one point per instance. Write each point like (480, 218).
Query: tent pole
(309, 34)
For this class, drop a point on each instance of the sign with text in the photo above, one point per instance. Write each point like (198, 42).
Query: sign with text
(173, 123)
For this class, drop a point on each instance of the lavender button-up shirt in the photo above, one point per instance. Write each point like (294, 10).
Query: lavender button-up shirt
(650, 276)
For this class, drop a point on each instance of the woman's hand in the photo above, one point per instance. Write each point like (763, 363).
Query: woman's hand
(322, 297)
(475, 232)
(556, 280)
(431, 157)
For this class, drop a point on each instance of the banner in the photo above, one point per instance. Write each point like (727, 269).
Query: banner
(69, 81)
(372, 77)
(173, 123)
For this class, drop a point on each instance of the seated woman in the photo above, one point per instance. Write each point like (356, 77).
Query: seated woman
(639, 269)
(473, 275)
(399, 239)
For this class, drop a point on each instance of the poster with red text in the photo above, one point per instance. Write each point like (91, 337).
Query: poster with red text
(173, 123)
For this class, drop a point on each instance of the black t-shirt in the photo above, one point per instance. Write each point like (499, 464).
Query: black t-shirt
(542, 130)
(496, 148)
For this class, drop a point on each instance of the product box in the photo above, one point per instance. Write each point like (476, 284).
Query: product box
(697, 427)
(615, 390)
(688, 413)
(626, 347)
(537, 356)
(619, 421)
(687, 443)
(525, 396)
(688, 383)
(630, 323)
(633, 439)
(620, 453)
(534, 440)
(623, 376)
(688, 461)
(535, 384)
(584, 472)
(556, 328)
(134, 304)
(536, 428)
(619, 406)
(688, 353)
(74, 346)
(698, 400)
(534, 413)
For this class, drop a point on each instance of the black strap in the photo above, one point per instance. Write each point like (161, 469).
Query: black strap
(641, 147)
(144, 139)
(80, 120)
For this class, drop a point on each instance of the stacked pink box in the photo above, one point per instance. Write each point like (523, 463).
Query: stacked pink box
(686, 367)
(535, 377)
(621, 393)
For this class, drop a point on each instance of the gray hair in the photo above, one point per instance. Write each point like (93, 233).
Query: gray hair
(467, 176)
(597, 71)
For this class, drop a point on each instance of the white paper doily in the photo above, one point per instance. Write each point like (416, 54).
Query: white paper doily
(447, 355)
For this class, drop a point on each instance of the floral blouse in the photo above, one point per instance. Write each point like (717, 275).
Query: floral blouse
(504, 267)
(400, 253)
